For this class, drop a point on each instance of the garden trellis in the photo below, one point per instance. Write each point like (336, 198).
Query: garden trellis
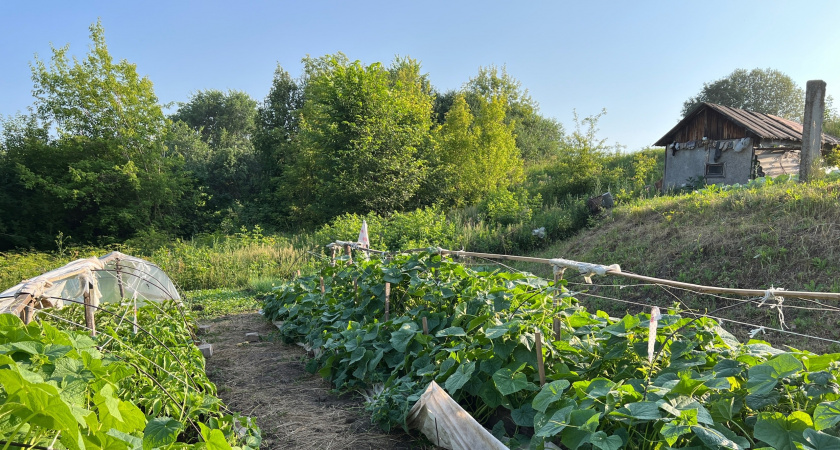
(641, 389)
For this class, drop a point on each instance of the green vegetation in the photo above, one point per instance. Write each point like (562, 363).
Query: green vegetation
(119, 390)
(699, 388)
(777, 233)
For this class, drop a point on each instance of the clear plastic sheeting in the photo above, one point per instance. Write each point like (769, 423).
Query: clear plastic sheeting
(447, 425)
(108, 279)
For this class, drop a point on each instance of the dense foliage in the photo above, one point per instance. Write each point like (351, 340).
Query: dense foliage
(119, 390)
(703, 389)
(97, 161)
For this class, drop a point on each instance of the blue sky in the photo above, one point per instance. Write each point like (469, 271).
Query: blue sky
(639, 60)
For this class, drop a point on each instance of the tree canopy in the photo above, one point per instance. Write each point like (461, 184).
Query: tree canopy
(766, 91)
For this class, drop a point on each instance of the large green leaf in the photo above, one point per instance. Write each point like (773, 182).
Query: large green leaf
(821, 441)
(780, 431)
(601, 441)
(556, 423)
(508, 382)
(461, 376)
(764, 377)
(549, 394)
(402, 337)
(161, 431)
(826, 415)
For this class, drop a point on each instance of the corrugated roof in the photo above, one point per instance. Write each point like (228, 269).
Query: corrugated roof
(765, 126)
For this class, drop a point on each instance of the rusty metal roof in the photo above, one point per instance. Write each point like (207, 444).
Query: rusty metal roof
(765, 126)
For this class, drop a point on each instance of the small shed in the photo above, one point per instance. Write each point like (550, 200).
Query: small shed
(728, 145)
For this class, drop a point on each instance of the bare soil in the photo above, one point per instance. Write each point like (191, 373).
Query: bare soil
(267, 381)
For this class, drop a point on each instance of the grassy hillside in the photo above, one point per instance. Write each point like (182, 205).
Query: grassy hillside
(779, 234)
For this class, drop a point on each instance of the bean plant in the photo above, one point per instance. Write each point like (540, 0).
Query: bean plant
(700, 388)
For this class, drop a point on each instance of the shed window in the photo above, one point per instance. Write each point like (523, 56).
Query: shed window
(715, 171)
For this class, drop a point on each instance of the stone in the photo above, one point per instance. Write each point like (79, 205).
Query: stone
(252, 337)
(206, 350)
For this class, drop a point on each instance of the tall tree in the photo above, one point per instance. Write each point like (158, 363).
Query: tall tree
(92, 154)
(477, 154)
(361, 130)
(766, 91)
(538, 138)
(225, 163)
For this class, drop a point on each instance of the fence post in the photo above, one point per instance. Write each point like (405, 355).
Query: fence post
(540, 366)
(323, 288)
(387, 300)
(332, 260)
(90, 322)
(555, 324)
(349, 255)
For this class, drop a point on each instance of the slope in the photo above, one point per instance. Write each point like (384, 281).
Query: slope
(776, 234)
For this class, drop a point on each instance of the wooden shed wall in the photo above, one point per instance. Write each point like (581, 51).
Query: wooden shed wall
(710, 124)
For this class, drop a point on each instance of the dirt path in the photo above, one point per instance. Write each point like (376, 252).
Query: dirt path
(294, 409)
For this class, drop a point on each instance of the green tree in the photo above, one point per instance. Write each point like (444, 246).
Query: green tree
(276, 142)
(361, 131)
(477, 153)
(223, 162)
(91, 161)
(538, 138)
(766, 91)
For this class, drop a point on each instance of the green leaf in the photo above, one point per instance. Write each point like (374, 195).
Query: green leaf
(508, 382)
(523, 416)
(556, 423)
(458, 379)
(820, 440)
(826, 415)
(780, 431)
(639, 411)
(214, 438)
(161, 431)
(451, 331)
(601, 441)
(402, 337)
(583, 422)
(549, 393)
(671, 431)
(716, 438)
(762, 379)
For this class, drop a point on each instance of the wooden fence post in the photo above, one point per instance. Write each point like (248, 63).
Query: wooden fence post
(540, 366)
(90, 322)
(332, 259)
(387, 300)
(425, 325)
(556, 322)
(323, 288)
(349, 255)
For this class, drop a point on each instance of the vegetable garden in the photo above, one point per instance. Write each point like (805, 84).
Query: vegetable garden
(701, 388)
(122, 389)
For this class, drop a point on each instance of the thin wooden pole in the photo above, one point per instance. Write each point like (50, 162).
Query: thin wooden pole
(298, 273)
(556, 322)
(356, 291)
(425, 325)
(349, 255)
(387, 300)
(90, 322)
(540, 366)
(118, 270)
(323, 288)
(332, 260)
(678, 284)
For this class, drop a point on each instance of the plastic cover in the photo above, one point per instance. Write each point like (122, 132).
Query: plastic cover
(141, 281)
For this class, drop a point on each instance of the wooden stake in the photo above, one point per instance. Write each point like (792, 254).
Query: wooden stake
(323, 288)
(540, 366)
(298, 273)
(556, 322)
(90, 322)
(356, 290)
(387, 300)
(425, 326)
(349, 255)
(332, 260)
